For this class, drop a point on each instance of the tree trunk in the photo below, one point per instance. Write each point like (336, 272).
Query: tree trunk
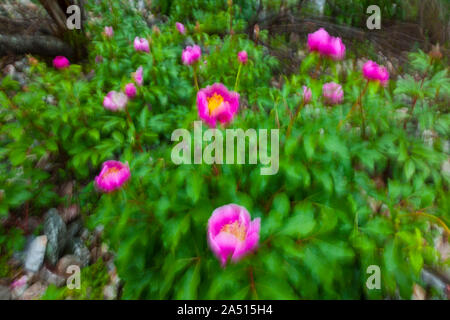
(57, 10)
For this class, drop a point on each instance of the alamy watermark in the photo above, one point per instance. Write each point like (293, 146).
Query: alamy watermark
(374, 280)
(374, 21)
(214, 152)
(74, 280)
(74, 20)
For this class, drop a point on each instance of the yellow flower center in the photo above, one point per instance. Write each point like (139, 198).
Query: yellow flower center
(214, 102)
(236, 229)
(111, 171)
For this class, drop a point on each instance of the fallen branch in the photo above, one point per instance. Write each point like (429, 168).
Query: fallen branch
(41, 45)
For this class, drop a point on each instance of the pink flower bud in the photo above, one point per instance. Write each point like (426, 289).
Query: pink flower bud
(307, 94)
(61, 62)
(318, 41)
(336, 48)
(130, 90)
(109, 32)
(326, 45)
(332, 93)
(180, 27)
(138, 76)
(141, 44)
(242, 57)
(191, 54)
(373, 72)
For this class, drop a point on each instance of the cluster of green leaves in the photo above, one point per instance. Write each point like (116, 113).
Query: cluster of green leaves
(11, 241)
(341, 201)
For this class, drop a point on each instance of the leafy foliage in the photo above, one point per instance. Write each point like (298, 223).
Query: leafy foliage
(341, 201)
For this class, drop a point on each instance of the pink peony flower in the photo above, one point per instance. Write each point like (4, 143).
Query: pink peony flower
(115, 101)
(243, 57)
(383, 76)
(109, 32)
(307, 94)
(112, 176)
(141, 44)
(61, 62)
(336, 48)
(216, 103)
(332, 92)
(326, 45)
(138, 76)
(180, 28)
(232, 233)
(373, 72)
(318, 41)
(191, 54)
(130, 90)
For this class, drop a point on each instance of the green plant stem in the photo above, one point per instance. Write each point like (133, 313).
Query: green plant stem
(363, 122)
(136, 136)
(319, 64)
(236, 83)
(357, 103)
(231, 21)
(434, 218)
(195, 77)
(291, 123)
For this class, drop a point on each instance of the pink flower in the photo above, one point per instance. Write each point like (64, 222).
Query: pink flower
(370, 70)
(318, 41)
(336, 48)
(191, 54)
(332, 92)
(383, 76)
(242, 57)
(130, 90)
(138, 76)
(112, 176)
(373, 72)
(109, 32)
(232, 233)
(115, 101)
(141, 44)
(61, 62)
(216, 103)
(328, 46)
(180, 28)
(307, 94)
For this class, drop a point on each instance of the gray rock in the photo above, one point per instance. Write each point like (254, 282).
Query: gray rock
(65, 262)
(74, 228)
(51, 278)
(34, 292)
(110, 292)
(56, 232)
(35, 254)
(79, 249)
(4, 293)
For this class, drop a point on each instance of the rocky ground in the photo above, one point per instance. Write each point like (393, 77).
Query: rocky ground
(49, 257)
